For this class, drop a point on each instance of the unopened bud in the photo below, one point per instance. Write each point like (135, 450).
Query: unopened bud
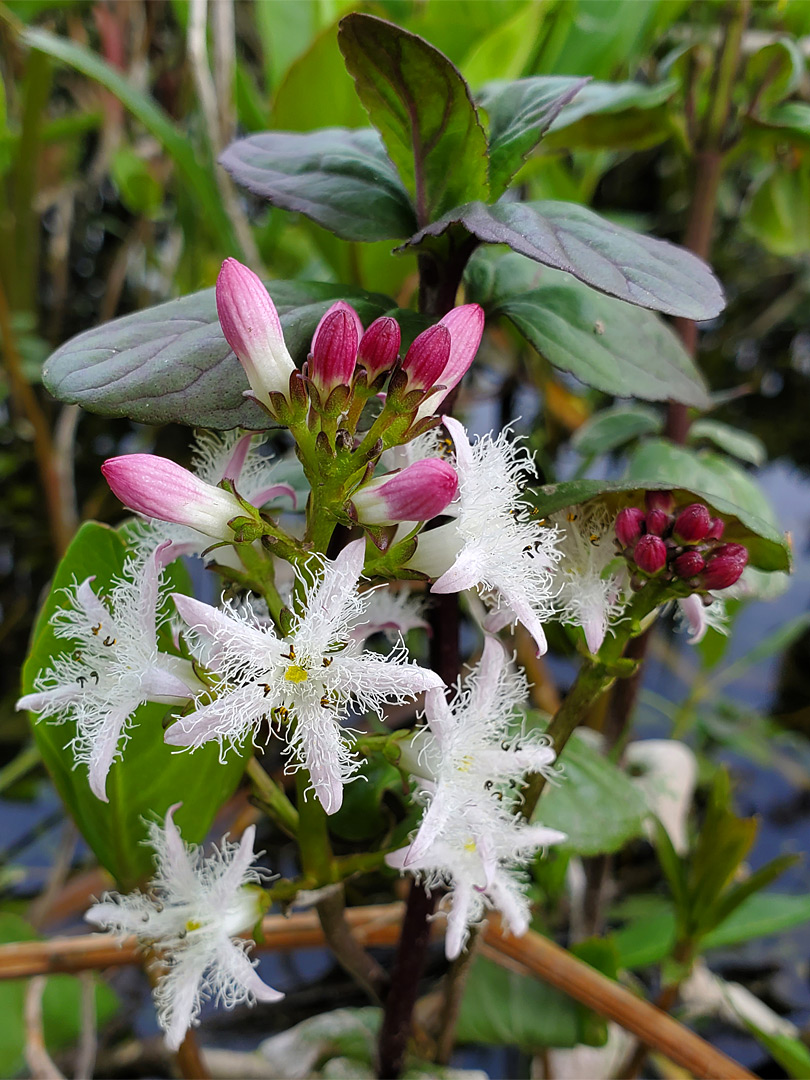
(379, 346)
(725, 567)
(693, 523)
(629, 523)
(658, 522)
(688, 564)
(252, 328)
(334, 348)
(659, 500)
(160, 488)
(418, 493)
(426, 359)
(716, 529)
(650, 554)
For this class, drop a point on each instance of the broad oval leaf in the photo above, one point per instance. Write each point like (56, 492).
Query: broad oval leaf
(740, 444)
(151, 776)
(617, 348)
(595, 804)
(611, 428)
(422, 107)
(639, 269)
(342, 179)
(689, 476)
(520, 113)
(605, 114)
(171, 363)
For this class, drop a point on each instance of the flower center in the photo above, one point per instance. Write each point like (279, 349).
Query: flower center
(470, 846)
(193, 924)
(296, 674)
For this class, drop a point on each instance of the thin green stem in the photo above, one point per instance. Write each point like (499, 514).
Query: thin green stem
(313, 835)
(273, 800)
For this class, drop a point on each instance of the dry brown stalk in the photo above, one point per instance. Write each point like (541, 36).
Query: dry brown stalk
(379, 925)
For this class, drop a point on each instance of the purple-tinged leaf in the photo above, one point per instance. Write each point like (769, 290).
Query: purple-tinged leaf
(520, 113)
(639, 269)
(422, 107)
(342, 179)
(171, 363)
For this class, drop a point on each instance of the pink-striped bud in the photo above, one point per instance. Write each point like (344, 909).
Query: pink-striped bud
(379, 347)
(427, 358)
(716, 529)
(693, 523)
(334, 348)
(658, 522)
(418, 493)
(659, 500)
(160, 488)
(650, 554)
(688, 564)
(252, 328)
(629, 523)
(725, 567)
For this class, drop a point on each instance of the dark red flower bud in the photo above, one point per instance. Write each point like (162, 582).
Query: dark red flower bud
(379, 346)
(693, 523)
(658, 522)
(650, 554)
(688, 564)
(629, 523)
(334, 348)
(427, 357)
(716, 529)
(725, 567)
(659, 500)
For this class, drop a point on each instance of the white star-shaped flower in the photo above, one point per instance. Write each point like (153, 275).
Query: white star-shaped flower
(197, 908)
(471, 763)
(493, 544)
(115, 666)
(303, 684)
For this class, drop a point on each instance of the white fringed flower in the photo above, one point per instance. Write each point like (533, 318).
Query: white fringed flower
(695, 617)
(197, 908)
(115, 667)
(588, 594)
(493, 544)
(303, 684)
(471, 763)
(393, 612)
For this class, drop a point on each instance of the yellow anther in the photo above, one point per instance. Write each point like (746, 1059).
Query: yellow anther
(465, 764)
(470, 846)
(295, 674)
(193, 924)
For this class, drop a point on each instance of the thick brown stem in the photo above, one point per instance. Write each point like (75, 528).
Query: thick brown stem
(348, 951)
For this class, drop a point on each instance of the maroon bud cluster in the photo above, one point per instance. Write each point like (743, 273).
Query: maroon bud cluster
(684, 544)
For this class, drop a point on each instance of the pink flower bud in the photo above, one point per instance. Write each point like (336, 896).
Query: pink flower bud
(688, 564)
(379, 346)
(418, 493)
(659, 500)
(427, 357)
(650, 554)
(466, 325)
(693, 523)
(658, 522)
(251, 326)
(160, 488)
(334, 349)
(716, 529)
(629, 523)
(725, 567)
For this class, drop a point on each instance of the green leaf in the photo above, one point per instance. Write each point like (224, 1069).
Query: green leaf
(639, 269)
(778, 214)
(151, 775)
(767, 547)
(61, 1004)
(609, 429)
(673, 867)
(503, 1008)
(613, 346)
(361, 815)
(760, 915)
(196, 173)
(171, 363)
(787, 122)
(775, 71)
(740, 444)
(760, 879)
(595, 804)
(422, 108)
(520, 113)
(614, 115)
(341, 179)
(646, 940)
(138, 188)
(787, 1051)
